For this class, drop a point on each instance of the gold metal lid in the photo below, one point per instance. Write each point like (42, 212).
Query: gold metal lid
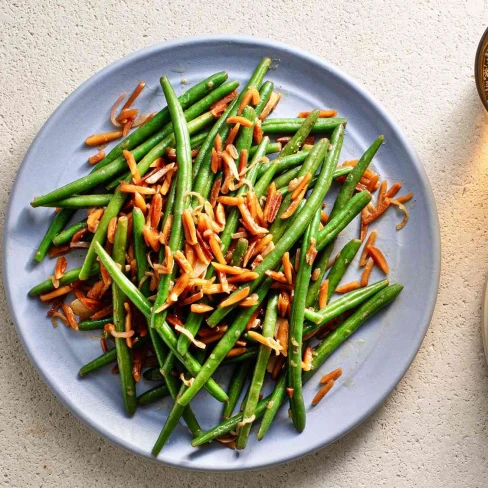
(481, 69)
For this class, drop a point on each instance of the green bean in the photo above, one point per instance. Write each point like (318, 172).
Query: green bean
(345, 194)
(81, 201)
(339, 268)
(284, 163)
(339, 222)
(165, 331)
(55, 227)
(294, 357)
(140, 135)
(153, 395)
(271, 148)
(264, 93)
(235, 387)
(282, 181)
(239, 251)
(69, 277)
(224, 345)
(334, 309)
(168, 365)
(310, 165)
(109, 357)
(351, 324)
(286, 126)
(275, 400)
(201, 168)
(183, 186)
(292, 146)
(195, 142)
(119, 198)
(172, 420)
(249, 354)
(349, 186)
(249, 410)
(124, 359)
(194, 320)
(270, 405)
(321, 262)
(94, 324)
(294, 231)
(138, 222)
(119, 164)
(65, 236)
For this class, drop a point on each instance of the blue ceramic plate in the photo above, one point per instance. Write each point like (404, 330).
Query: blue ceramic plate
(374, 360)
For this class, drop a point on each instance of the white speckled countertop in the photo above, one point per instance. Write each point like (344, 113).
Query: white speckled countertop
(417, 58)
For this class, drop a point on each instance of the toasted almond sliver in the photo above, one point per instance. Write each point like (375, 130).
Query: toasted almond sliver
(225, 268)
(190, 336)
(333, 375)
(143, 190)
(323, 294)
(235, 297)
(200, 308)
(322, 392)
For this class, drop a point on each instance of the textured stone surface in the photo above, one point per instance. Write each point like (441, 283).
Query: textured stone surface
(417, 58)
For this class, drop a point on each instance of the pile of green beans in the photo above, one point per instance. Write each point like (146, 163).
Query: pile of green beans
(180, 364)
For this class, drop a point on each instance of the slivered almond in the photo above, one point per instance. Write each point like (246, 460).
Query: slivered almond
(232, 134)
(131, 162)
(151, 237)
(246, 99)
(277, 276)
(250, 301)
(249, 223)
(369, 242)
(322, 114)
(94, 219)
(190, 336)
(282, 335)
(156, 208)
(189, 227)
(225, 268)
(200, 308)
(267, 341)
(103, 138)
(333, 375)
(216, 161)
(243, 277)
(258, 131)
(302, 185)
(287, 268)
(322, 392)
(236, 351)
(165, 234)
(379, 259)
(307, 359)
(283, 304)
(235, 297)
(353, 285)
(96, 158)
(155, 177)
(183, 263)
(231, 201)
(311, 252)
(140, 203)
(143, 190)
(324, 290)
(239, 120)
(270, 105)
(63, 290)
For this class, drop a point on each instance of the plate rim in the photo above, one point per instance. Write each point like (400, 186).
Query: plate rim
(411, 153)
